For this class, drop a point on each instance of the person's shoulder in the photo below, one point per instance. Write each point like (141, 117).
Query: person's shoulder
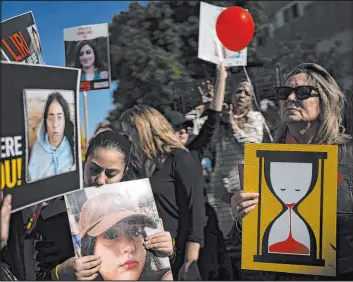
(37, 147)
(182, 157)
(256, 116)
(180, 153)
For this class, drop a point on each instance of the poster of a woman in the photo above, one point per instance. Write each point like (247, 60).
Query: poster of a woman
(87, 48)
(35, 43)
(88, 60)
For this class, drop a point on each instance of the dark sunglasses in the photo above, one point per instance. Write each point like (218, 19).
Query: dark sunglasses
(301, 92)
(180, 127)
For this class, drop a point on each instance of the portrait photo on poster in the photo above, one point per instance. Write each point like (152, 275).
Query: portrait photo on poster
(35, 42)
(21, 28)
(117, 229)
(87, 48)
(50, 132)
(39, 132)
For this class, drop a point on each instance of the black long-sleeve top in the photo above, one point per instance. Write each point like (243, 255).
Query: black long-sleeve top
(178, 192)
(198, 145)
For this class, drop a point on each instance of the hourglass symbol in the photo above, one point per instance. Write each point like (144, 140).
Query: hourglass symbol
(290, 176)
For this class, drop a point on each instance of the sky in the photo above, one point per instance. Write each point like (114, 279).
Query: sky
(51, 18)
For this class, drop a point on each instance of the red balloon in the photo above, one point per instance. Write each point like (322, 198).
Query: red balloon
(235, 28)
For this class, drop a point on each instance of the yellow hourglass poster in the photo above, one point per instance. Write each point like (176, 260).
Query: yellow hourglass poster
(293, 227)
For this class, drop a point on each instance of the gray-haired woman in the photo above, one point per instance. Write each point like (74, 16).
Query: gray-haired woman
(311, 105)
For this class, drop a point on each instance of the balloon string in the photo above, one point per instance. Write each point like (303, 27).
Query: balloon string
(257, 105)
(219, 49)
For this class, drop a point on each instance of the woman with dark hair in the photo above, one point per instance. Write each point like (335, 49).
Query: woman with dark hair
(87, 59)
(112, 153)
(116, 233)
(53, 151)
(110, 159)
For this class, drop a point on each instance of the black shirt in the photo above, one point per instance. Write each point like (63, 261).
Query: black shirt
(178, 192)
(198, 145)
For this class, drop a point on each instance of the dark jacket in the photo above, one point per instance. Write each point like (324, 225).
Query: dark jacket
(54, 242)
(214, 262)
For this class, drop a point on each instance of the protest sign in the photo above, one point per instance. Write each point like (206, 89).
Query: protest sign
(20, 40)
(208, 41)
(87, 48)
(40, 140)
(293, 227)
(112, 221)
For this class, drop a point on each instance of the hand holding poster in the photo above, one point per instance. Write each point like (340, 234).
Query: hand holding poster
(87, 48)
(113, 222)
(293, 227)
(20, 40)
(40, 142)
(208, 41)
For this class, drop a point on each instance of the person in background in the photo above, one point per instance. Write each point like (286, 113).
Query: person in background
(102, 127)
(6, 274)
(53, 151)
(213, 260)
(239, 124)
(244, 125)
(176, 181)
(311, 105)
(87, 59)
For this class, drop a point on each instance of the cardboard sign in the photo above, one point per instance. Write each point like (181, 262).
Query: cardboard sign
(20, 40)
(208, 49)
(40, 140)
(87, 48)
(112, 221)
(293, 227)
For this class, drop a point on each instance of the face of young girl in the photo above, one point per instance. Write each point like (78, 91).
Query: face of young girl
(122, 251)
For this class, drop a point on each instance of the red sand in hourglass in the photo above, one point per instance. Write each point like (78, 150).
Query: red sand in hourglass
(289, 246)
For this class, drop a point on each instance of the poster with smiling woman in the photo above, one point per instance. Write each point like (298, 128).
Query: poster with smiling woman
(87, 48)
(119, 223)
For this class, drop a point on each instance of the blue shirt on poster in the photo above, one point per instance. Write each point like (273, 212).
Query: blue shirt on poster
(46, 160)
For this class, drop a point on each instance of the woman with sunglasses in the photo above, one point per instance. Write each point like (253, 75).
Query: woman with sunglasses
(311, 105)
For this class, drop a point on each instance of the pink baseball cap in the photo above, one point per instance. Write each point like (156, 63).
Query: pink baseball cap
(102, 212)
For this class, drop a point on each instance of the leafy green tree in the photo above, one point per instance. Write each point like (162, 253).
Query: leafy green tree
(154, 48)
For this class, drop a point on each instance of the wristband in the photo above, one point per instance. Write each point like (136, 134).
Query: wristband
(57, 271)
(172, 255)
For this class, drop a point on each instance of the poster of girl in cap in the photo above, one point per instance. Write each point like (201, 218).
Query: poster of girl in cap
(113, 223)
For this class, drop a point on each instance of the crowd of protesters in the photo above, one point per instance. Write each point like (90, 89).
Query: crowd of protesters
(160, 147)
